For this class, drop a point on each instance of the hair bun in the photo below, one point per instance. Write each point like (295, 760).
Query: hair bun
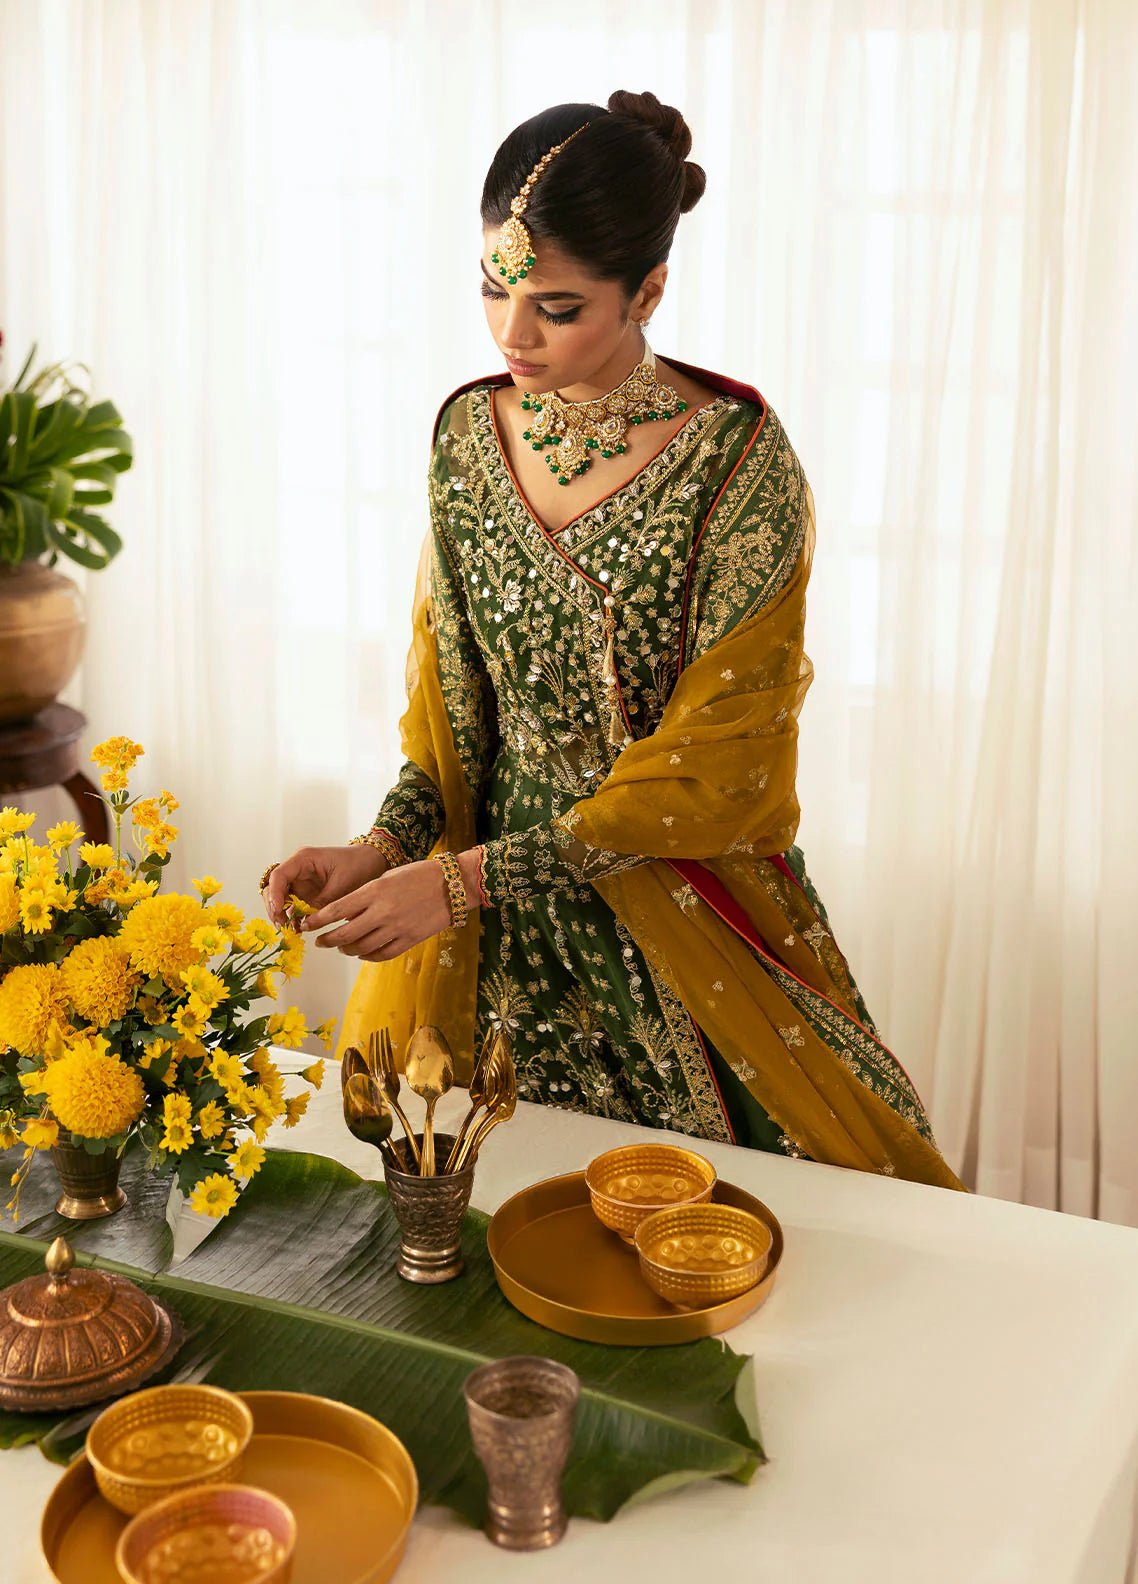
(671, 128)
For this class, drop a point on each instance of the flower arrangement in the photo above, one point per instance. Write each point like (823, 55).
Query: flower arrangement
(123, 1011)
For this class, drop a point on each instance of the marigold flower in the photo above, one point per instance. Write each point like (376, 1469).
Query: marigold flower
(97, 855)
(206, 887)
(32, 1007)
(295, 1107)
(63, 834)
(247, 1159)
(41, 1133)
(314, 1074)
(158, 935)
(92, 1092)
(211, 1120)
(214, 1196)
(98, 980)
(288, 1028)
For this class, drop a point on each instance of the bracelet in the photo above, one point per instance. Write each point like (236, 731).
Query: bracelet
(384, 843)
(456, 887)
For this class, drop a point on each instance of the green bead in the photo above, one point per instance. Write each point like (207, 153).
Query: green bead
(555, 439)
(652, 415)
(537, 406)
(606, 453)
(494, 258)
(563, 481)
(683, 407)
(636, 418)
(501, 272)
(513, 279)
(531, 261)
(527, 434)
(554, 467)
(522, 274)
(537, 445)
(621, 449)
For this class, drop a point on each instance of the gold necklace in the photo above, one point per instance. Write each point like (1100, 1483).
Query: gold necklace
(575, 430)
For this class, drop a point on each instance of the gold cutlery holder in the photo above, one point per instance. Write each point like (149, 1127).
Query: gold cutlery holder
(429, 1211)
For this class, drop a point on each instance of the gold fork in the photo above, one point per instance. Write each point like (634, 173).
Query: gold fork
(382, 1061)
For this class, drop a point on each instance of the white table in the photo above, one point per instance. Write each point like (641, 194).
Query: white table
(947, 1386)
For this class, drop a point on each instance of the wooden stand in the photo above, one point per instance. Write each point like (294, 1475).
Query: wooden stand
(43, 752)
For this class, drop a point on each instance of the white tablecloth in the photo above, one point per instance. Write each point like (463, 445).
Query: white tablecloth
(947, 1389)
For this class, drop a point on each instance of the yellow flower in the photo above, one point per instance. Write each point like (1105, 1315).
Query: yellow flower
(153, 1052)
(315, 1073)
(177, 1137)
(247, 1159)
(214, 1196)
(161, 838)
(206, 887)
(257, 934)
(98, 980)
(205, 987)
(9, 1134)
(158, 935)
(92, 1092)
(146, 813)
(240, 1097)
(288, 1028)
(295, 1109)
(13, 821)
(264, 1111)
(176, 1107)
(211, 1120)
(168, 801)
(271, 1081)
(266, 984)
(40, 1133)
(96, 855)
(63, 834)
(117, 753)
(291, 958)
(209, 940)
(323, 1032)
(227, 1069)
(298, 904)
(225, 916)
(9, 903)
(32, 1007)
(35, 911)
(190, 1020)
(114, 781)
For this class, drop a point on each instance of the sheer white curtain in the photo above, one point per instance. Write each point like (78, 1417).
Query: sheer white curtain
(258, 223)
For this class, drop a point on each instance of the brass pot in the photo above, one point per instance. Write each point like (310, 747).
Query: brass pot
(90, 1183)
(42, 627)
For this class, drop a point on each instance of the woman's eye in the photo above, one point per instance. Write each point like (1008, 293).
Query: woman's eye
(553, 318)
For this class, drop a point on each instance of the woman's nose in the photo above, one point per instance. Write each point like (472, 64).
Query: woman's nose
(519, 332)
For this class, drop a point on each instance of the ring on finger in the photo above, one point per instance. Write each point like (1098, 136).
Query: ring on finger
(267, 873)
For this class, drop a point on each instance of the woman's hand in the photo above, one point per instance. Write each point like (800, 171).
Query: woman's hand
(386, 917)
(319, 875)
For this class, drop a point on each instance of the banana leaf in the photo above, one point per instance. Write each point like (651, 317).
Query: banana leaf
(296, 1291)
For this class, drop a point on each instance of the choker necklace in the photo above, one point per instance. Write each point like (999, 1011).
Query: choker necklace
(574, 431)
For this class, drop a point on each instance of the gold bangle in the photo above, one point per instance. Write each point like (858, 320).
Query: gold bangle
(384, 844)
(456, 887)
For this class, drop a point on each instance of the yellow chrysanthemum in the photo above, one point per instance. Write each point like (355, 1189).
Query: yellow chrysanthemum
(225, 916)
(288, 1028)
(92, 1092)
(295, 1108)
(211, 1120)
(209, 940)
(299, 906)
(14, 821)
(131, 895)
(226, 1068)
(323, 1032)
(264, 1110)
(315, 1073)
(158, 935)
(148, 1055)
(177, 1136)
(35, 911)
(206, 887)
(255, 936)
(98, 980)
(40, 1133)
(96, 855)
(240, 1098)
(271, 1080)
(266, 984)
(9, 1129)
(191, 1019)
(291, 959)
(9, 903)
(176, 1107)
(63, 834)
(214, 1196)
(32, 1007)
(205, 987)
(247, 1159)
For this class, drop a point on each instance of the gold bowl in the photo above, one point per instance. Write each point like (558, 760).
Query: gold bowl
(701, 1254)
(212, 1534)
(155, 1443)
(626, 1185)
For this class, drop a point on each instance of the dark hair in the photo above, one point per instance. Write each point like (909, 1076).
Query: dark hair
(612, 199)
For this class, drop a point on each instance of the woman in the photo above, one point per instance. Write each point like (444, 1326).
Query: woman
(604, 686)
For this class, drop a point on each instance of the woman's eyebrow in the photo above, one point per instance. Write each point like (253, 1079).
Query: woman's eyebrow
(537, 296)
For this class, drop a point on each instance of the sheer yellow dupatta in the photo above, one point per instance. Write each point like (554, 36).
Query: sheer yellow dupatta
(437, 981)
(715, 783)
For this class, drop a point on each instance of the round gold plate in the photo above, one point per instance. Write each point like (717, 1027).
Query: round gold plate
(349, 1481)
(558, 1265)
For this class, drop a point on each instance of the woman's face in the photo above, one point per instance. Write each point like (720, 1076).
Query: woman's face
(561, 327)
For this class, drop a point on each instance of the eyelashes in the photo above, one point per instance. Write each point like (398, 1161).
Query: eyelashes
(552, 318)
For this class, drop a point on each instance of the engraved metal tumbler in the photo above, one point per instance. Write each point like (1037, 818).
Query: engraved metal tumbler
(522, 1412)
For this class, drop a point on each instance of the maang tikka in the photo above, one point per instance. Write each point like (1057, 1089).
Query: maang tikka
(514, 254)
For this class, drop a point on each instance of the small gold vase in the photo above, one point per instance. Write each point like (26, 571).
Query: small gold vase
(90, 1183)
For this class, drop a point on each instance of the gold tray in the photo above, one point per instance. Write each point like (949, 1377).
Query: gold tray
(349, 1481)
(558, 1265)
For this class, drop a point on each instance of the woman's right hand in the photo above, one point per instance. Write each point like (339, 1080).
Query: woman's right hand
(319, 875)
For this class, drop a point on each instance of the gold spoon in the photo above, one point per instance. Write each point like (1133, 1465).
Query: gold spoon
(477, 1092)
(366, 1115)
(499, 1083)
(383, 1065)
(351, 1063)
(430, 1072)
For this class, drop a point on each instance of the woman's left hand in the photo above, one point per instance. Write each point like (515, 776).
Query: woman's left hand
(386, 917)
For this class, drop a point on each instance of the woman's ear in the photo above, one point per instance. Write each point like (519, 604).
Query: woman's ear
(651, 290)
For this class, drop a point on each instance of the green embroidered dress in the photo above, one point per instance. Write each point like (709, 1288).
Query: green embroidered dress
(518, 616)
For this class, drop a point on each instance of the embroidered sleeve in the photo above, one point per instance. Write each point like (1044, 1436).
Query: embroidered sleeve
(545, 858)
(412, 813)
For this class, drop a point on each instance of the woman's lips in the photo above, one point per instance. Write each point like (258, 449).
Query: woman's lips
(516, 366)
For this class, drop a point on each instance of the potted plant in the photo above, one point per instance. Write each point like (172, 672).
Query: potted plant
(60, 459)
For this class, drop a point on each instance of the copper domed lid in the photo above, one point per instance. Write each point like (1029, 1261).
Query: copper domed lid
(78, 1336)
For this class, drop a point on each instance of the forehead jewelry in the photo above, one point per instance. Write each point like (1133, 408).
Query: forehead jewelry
(514, 251)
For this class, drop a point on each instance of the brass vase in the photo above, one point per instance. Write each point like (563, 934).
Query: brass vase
(42, 627)
(90, 1183)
